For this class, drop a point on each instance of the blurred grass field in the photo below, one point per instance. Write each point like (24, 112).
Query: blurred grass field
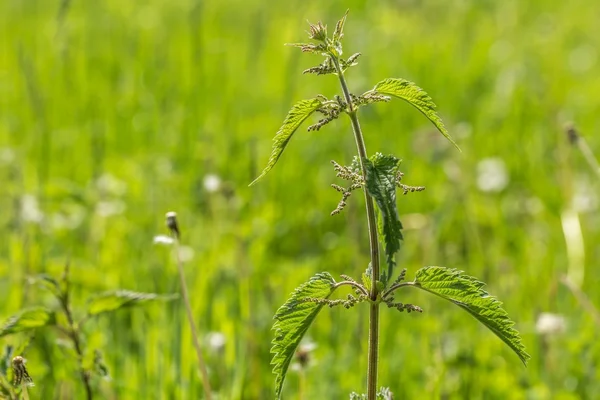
(113, 113)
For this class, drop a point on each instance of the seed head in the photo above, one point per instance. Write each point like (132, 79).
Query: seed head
(21, 376)
(172, 223)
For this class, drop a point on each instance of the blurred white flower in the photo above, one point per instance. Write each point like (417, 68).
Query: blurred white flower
(492, 175)
(30, 209)
(108, 184)
(163, 239)
(534, 205)
(108, 208)
(548, 324)
(216, 340)
(500, 51)
(186, 253)
(303, 357)
(585, 199)
(7, 155)
(71, 218)
(583, 58)
(164, 167)
(462, 130)
(212, 183)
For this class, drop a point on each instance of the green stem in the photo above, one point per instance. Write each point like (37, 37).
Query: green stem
(73, 333)
(373, 241)
(190, 316)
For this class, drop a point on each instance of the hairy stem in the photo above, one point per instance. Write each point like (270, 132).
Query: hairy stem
(190, 315)
(373, 241)
(73, 334)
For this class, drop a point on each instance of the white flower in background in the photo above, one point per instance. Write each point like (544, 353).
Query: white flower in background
(71, 218)
(7, 155)
(534, 205)
(585, 199)
(30, 209)
(216, 340)
(492, 175)
(303, 358)
(164, 167)
(108, 184)
(548, 324)
(109, 208)
(212, 183)
(583, 58)
(163, 239)
(186, 253)
(462, 130)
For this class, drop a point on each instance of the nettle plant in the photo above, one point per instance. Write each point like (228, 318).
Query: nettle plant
(380, 178)
(69, 323)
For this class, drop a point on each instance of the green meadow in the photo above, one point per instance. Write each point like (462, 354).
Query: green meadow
(113, 113)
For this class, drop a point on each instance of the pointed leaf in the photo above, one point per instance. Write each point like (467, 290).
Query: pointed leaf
(100, 367)
(113, 300)
(468, 293)
(381, 185)
(338, 34)
(293, 319)
(5, 360)
(415, 96)
(48, 282)
(299, 112)
(27, 319)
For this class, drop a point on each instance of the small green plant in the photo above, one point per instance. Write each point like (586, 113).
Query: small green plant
(63, 319)
(379, 177)
(173, 226)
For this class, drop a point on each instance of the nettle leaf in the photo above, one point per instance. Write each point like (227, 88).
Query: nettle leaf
(114, 300)
(28, 319)
(467, 292)
(299, 112)
(293, 319)
(381, 185)
(415, 96)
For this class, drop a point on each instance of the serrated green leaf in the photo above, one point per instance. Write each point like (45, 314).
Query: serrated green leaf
(467, 292)
(293, 319)
(114, 300)
(299, 112)
(27, 319)
(415, 96)
(381, 185)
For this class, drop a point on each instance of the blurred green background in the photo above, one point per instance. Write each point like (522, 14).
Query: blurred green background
(113, 113)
